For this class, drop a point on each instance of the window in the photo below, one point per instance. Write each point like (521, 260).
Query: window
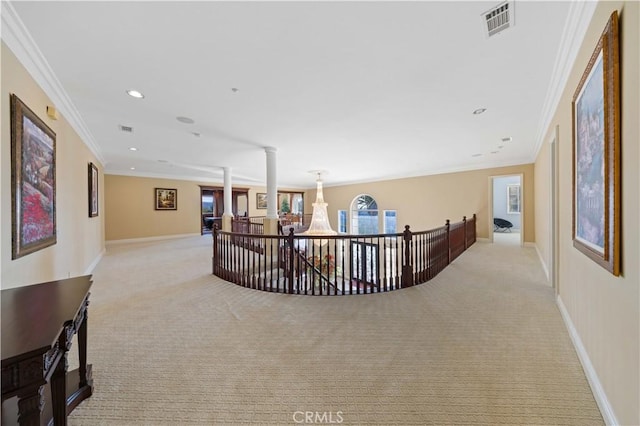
(364, 261)
(364, 215)
(513, 199)
(208, 203)
(297, 204)
(342, 221)
(389, 225)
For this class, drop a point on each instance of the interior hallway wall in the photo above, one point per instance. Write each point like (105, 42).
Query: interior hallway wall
(80, 239)
(603, 310)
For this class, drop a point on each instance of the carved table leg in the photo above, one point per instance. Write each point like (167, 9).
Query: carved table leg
(84, 386)
(59, 392)
(30, 406)
(82, 347)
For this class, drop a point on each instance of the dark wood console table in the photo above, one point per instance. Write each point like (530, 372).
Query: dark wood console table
(38, 325)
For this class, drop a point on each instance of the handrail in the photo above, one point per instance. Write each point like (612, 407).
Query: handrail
(255, 224)
(338, 264)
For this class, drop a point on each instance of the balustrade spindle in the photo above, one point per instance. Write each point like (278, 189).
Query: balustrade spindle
(448, 225)
(464, 220)
(289, 253)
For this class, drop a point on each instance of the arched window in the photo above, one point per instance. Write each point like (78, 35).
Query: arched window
(364, 215)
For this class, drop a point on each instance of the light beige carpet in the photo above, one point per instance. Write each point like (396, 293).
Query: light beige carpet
(482, 343)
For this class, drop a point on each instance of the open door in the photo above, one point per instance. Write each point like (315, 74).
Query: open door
(506, 210)
(554, 229)
(212, 205)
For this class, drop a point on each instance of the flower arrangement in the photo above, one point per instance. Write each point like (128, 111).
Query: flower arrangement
(323, 269)
(326, 265)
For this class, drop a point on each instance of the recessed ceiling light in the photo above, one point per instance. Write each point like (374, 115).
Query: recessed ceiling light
(133, 168)
(162, 161)
(133, 148)
(185, 120)
(477, 155)
(494, 152)
(507, 139)
(479, 111)
(135, 94)
(196, 134)
(500, 146)
(234, 89)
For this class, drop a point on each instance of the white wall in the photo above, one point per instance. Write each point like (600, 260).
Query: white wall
(500, 200)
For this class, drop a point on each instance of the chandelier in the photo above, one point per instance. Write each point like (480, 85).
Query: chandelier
(319, 219)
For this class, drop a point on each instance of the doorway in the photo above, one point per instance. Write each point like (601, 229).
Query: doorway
(506, 210)
(212, 206)
(554, 228)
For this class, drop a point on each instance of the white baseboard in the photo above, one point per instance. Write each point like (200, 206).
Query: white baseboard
(542, 262)
(483, 240)
(150, 239)
(529, 244)
(95, 262)
(596, 387)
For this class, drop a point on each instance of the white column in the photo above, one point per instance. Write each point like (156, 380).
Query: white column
(228, 204)
(272, 184)
(227, 215)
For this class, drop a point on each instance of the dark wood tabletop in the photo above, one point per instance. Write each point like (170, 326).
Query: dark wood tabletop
(33, 316)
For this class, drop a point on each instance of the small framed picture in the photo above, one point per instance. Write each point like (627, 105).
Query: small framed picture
(261, 200)
(93, 190)
(166, 199)
(513, 199)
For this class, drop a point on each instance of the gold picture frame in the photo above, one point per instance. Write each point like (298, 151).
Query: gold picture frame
(93, 190)
(261, 200)
(33, 181)
(596, 154)
(166, 199)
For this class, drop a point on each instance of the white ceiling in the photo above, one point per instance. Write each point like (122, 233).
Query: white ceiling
(364, 90)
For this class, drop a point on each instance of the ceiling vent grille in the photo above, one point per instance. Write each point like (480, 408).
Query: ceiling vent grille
(499, 18)
(126, 129)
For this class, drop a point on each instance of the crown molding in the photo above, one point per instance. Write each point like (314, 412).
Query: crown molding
(575, 28)
(520, 161)
(17, 38)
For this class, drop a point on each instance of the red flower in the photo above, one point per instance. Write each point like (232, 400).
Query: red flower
(37, 222)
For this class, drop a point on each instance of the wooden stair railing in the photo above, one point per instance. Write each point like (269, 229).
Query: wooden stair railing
(340, 264)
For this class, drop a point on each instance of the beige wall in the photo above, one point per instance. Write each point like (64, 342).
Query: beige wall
(130, 208)
(605, 310)
(422, 202)
(130, 212)
(80, 239)
(426, 202)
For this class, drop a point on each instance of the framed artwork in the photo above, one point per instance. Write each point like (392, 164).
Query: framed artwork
(166, 199)
(513, 199)
(596, 154)
(261, 200)
(33, 181)
(93, 190)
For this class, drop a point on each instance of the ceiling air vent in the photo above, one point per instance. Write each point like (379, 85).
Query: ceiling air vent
(126, 129)
(498, 18)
